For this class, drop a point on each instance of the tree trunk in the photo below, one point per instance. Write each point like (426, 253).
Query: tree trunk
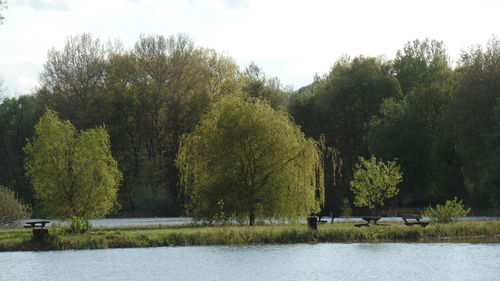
(251, 217)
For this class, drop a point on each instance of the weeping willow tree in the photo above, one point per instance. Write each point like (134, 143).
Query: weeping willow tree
(246, 160)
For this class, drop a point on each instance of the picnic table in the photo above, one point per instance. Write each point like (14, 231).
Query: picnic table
(370, 219)
(39, 230)
(411, 220)
(35, 224)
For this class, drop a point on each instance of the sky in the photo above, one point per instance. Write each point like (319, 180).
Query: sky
(292, 40)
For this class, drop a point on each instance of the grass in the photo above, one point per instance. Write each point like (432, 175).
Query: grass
(19, 239)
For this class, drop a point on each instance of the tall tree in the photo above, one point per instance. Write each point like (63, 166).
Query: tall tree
(246, 159)
(177, 85)
(492, 177)
(473, 115)
(258, 85)
(422, 64)
(124, 120)
(73, 173)
(18, 116)
(73, 78)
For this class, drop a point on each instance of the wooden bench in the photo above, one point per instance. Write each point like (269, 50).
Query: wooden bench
(325, 215)
(414, 220)
(368, 220)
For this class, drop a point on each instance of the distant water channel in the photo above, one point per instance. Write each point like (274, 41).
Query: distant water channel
(328, 261)
(110, 222)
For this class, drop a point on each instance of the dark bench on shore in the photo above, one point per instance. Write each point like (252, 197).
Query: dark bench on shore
(39, 230)
(368, 220)
(324, 215)
(414, 220)
(35, 224)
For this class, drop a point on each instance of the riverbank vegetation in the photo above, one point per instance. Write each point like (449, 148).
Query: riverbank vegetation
(19, 239)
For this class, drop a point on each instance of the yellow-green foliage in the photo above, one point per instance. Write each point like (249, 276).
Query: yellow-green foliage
(447, 212)
(375, 181)
(11, 209)
(73, 174)
(247, 160)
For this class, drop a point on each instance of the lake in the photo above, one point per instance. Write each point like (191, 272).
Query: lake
(328, 261)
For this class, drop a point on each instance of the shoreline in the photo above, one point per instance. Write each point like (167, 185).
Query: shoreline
(20, 239)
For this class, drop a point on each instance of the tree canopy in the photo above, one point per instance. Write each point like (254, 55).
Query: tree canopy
(440, 120)
(246, 159)
(73, 173)
(476, 121)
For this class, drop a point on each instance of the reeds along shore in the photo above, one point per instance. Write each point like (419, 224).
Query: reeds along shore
(19, 239)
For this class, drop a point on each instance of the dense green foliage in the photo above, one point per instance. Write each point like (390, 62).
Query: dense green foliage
(247, 160)
(415, 128)
(442, 125)
(340, 105)
(451, 210)
(11, 209)
(441, 121)
(147, 97)
(18, 117)
(476, 122)
(374, 182)
(73, 174)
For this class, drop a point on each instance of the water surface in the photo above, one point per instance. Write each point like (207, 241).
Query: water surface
(328, 261)
(110, 222)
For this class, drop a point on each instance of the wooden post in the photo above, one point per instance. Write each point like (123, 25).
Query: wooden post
(312, 222)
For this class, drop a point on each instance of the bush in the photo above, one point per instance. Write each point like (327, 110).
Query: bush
(11, 209)
(447, 212)
(77, 225)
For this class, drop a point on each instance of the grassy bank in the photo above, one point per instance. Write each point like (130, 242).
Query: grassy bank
(14, 239)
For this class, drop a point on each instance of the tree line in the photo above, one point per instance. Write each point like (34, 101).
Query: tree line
(441, 122)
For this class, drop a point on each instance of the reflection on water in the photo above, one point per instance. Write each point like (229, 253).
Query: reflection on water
(340, 261)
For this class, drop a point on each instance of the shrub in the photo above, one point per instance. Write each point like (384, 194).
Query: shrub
(11, 209)
(77, 225)
(447, 212)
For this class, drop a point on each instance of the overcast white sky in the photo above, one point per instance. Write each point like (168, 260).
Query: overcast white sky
(289, 39)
